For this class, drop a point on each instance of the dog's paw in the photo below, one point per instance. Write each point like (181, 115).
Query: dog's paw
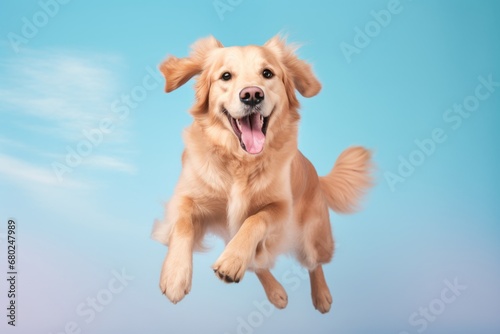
(230, 267)
(278, 297)
(322, 300)
(175, 280)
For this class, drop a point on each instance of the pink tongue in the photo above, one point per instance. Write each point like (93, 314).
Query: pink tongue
(251, 133)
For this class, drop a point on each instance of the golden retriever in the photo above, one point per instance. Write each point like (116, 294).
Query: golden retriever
(243, 177)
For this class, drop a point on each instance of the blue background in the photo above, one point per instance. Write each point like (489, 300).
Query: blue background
(393, 258)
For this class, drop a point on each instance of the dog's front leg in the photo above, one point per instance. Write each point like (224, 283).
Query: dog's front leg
(177, 270)
(233, 262)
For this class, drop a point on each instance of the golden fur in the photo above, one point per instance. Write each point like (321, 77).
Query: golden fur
(262, 204)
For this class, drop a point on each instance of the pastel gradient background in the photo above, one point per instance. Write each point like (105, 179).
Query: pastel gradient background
(393, 258)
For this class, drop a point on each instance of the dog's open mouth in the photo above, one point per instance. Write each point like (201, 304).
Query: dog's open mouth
(250, 130)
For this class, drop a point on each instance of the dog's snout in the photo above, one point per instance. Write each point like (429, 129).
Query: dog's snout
(251, 95)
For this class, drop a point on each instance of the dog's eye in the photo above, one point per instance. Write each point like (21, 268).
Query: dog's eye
(267, 74)
(226, 76)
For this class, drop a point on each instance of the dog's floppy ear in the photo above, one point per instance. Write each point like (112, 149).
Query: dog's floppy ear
(302, 75)
(178, 71)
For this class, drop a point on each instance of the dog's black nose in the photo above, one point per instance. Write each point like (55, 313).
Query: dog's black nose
(251, 96)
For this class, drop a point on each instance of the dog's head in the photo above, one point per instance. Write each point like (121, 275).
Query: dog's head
(245, 96)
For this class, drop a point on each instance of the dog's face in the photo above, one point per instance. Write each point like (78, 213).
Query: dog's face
(244, 94)
(246, 87)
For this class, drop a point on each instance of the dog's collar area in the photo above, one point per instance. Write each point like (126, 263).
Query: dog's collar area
(250, 130)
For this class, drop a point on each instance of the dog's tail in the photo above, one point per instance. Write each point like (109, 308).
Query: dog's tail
(348, 180)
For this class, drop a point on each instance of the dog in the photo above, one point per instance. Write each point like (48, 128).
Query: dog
(243, 177)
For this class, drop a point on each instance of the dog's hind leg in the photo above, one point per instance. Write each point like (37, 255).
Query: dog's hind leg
(274, 290)
(321, 297)
(317, 249)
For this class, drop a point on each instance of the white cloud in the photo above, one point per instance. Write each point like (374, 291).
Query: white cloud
(63, 92)
(110, 163)
(29, 175)
(47, 99)
(6, 142)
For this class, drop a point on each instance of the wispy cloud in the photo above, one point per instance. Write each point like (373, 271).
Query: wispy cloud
(110, 163)
(47, 99)
(63, 92)
(6, 142)
(29, 175)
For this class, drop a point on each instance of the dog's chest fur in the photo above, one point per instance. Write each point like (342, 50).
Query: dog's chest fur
(245, 187)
